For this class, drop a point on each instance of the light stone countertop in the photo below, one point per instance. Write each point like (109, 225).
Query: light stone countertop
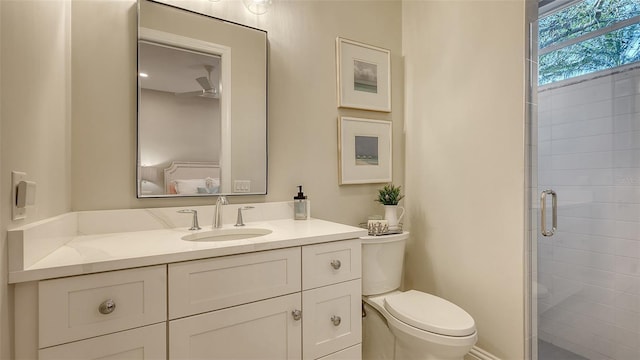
(84, 254)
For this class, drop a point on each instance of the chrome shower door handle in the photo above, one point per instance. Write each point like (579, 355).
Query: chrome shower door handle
(543, 212)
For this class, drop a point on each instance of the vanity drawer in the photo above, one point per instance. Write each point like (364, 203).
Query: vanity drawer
(145, 343)
(211, 284)
(332, 317)
(77, 307)
(330, 263)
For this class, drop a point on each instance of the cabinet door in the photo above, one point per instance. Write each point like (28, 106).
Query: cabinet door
(261, 330)
(332, 318)
(145, 343)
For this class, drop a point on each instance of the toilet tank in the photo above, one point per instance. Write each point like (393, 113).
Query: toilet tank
(382, 259)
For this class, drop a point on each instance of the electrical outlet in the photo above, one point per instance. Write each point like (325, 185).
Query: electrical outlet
(16, 212)
(242, 186)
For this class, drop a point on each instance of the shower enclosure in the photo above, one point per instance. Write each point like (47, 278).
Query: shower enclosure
(584, 141)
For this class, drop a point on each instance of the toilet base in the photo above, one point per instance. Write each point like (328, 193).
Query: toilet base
(378, 343)
(407, 348)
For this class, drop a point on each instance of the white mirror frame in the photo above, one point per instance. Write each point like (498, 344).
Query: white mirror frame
(224, 52)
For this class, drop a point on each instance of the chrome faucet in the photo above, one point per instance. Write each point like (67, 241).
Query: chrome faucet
(194, 223)
(217, 215)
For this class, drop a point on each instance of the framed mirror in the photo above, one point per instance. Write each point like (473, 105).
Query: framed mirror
(202, 104)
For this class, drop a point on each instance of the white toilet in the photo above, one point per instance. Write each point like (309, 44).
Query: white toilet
(411, 324)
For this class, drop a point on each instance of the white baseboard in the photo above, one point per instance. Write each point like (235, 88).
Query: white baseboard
(479, 354)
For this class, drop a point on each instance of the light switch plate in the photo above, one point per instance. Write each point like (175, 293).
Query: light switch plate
(16, 212)
(241, 186)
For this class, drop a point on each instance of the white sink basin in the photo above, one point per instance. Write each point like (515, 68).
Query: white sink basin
(227, 234)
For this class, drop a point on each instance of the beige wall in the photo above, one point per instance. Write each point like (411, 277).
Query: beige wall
(302, 101)
(34, 103)
(465, 83)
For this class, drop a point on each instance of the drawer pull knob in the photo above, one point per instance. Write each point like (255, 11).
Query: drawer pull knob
(336, 320)
(336, 264)
(107, 307)
(297, 314)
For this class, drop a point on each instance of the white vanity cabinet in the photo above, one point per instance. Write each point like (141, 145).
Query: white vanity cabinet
(301, 302)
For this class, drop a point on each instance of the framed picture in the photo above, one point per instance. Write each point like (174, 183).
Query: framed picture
(364, 148)
(364, 76)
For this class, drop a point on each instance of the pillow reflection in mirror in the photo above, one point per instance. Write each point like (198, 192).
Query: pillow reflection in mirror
(197, 186)
(212, 183)
(213, 190)
(189, 186)
(213, 186)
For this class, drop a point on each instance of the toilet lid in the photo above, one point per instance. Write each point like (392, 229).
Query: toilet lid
(430, 313)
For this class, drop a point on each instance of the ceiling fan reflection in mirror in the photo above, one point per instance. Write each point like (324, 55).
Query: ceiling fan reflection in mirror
(208, 90)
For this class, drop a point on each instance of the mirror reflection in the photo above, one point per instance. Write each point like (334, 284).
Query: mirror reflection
(201, 111)
(179, 120)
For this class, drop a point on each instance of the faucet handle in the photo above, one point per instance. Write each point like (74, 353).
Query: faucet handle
(194, 223)
(239, 221)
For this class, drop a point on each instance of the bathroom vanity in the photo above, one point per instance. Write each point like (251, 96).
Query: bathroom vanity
(99, 292)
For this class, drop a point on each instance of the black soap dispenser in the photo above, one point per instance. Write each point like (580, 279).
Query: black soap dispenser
(300, 205)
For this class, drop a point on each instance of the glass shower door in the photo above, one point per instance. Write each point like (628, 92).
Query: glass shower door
(585, 148)
(588, 279)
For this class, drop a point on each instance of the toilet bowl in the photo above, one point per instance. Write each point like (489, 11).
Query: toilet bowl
(419, 325)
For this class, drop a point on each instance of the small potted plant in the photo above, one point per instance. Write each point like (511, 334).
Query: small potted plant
(389, 196)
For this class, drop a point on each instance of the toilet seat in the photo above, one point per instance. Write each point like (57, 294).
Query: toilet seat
(429, 313)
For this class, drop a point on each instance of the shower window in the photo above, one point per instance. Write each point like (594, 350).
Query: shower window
(588, 36)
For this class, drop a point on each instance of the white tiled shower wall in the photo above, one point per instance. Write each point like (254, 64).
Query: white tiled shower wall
(589, 272)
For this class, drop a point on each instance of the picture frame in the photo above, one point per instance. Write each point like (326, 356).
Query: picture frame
(365, 151)
(364, 76)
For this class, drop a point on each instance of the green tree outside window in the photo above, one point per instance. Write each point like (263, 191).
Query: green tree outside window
(612, 49)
